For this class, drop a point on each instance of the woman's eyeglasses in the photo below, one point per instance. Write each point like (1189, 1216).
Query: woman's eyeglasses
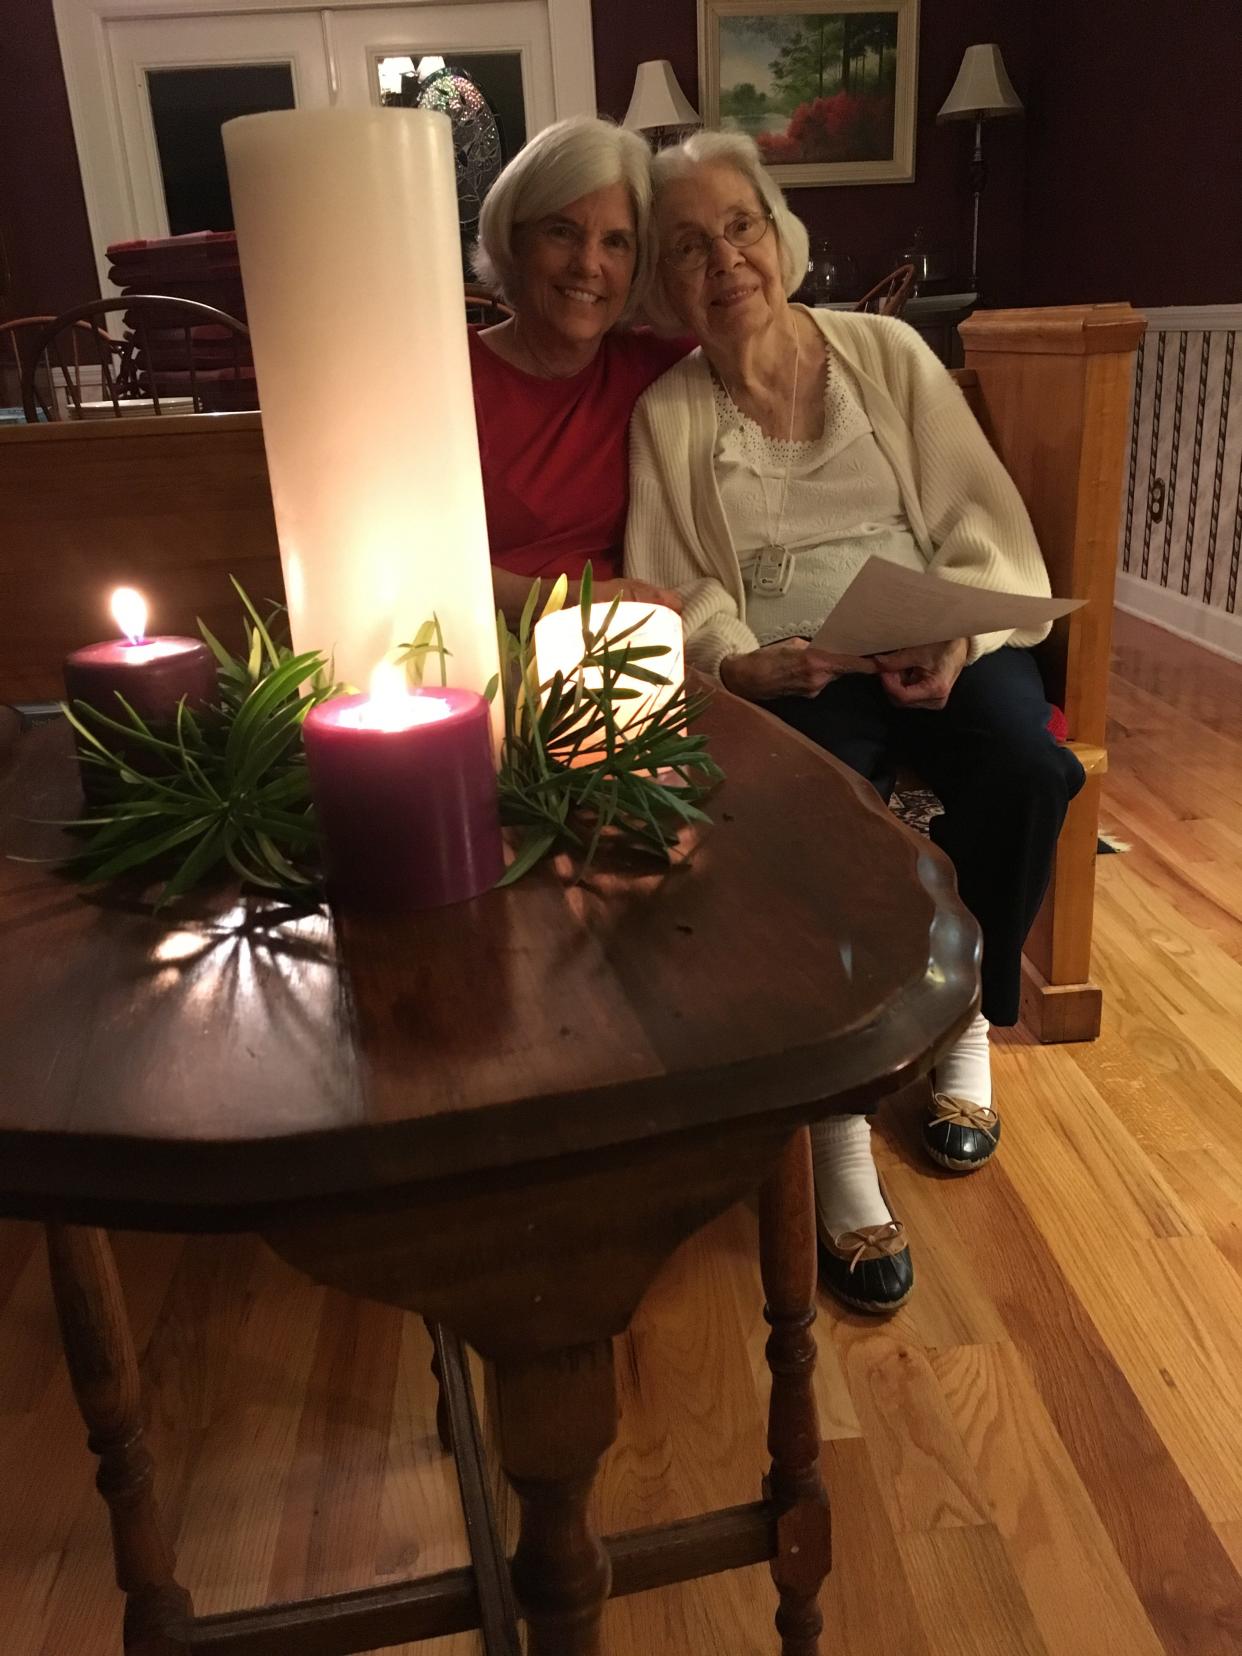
(691, 249)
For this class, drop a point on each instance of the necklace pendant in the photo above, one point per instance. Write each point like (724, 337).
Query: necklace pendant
(772, 573)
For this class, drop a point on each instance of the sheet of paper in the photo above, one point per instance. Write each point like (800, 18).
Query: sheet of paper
(886, 607)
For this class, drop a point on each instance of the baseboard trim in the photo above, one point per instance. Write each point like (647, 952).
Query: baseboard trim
(1215, 629)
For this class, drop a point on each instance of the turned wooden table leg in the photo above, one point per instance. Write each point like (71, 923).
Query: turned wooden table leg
(557, 1416)
(794, 1484)
(103, 1368)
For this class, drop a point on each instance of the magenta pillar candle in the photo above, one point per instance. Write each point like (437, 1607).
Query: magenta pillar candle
(405, 793)
(152, 674)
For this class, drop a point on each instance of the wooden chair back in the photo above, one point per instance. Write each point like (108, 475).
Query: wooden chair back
(483, 308)
(888, 297)
(87, 345)
(164, 347)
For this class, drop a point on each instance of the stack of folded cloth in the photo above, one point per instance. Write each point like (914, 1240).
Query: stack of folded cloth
(215, 363)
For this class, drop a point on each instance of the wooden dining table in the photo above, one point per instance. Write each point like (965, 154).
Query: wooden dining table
(504, 1115)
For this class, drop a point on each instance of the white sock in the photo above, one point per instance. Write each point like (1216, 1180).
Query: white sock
(847, 1188)
(965, 1071)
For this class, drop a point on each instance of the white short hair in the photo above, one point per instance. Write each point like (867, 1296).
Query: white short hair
(736, 150)
(564, 162)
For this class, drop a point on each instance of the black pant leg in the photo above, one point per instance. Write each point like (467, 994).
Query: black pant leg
(1005, 786)
(852, 720)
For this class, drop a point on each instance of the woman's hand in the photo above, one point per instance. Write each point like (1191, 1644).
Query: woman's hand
(638, 592)
(922, 677)
(790, 668)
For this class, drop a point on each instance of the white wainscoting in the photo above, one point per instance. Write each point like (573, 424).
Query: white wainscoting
(1181, 522)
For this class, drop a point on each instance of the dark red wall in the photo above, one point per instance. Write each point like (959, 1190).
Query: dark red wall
(1120, 182)
(874, 221)
(42, 213)
(1135, 153)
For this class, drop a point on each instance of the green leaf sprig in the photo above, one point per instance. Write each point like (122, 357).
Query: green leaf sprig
(570, 776)
(227, 785)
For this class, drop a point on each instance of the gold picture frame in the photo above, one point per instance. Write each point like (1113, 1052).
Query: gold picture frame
(829, 91)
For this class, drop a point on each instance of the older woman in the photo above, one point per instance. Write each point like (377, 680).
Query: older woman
(765, 469)
(565, 239)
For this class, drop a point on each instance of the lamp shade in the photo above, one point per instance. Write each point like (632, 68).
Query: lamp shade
(982, 87)
(657, 99)
(348, 236)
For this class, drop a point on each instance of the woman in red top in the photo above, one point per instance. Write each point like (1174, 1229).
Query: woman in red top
(565, 239)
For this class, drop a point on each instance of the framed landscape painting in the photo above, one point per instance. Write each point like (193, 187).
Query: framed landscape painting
(826, 91)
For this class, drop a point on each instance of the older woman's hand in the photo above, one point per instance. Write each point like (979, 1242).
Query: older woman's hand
(790, 668)
(922, 677)
(639, 592)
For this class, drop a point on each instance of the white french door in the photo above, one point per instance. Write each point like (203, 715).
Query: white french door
(150, 81)
(166, 71)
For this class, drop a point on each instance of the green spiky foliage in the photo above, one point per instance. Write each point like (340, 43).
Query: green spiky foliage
(226, 786)
(570, 777)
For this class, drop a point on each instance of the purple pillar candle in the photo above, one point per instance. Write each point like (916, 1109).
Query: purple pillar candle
(405, 793)
(154, 675)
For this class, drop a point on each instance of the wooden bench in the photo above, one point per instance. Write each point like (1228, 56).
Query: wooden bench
(1052, 389)
(175, 507)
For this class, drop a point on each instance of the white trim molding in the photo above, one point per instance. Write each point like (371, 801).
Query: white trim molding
(1194, 318)
(1215, 629)
(91, 79)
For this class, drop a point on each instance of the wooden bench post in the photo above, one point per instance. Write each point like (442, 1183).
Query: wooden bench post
(1054, 396)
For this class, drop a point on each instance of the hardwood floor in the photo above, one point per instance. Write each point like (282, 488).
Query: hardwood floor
(1041, 1455)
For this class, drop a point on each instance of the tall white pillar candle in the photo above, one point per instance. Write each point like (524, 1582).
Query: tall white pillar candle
(348, 236)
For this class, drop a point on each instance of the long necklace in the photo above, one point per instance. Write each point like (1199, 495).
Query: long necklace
(773, 567)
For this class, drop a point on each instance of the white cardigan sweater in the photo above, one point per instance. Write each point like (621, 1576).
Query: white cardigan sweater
(964, 511)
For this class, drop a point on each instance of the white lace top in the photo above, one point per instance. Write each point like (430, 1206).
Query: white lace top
(842, 505)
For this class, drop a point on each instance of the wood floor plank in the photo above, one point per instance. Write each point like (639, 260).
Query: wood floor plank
(1082, 1601)
(869, 1606)
(685, 1442)
(1151, 1297)
(1182, 1575)
(1230, 1536)
(331, 1513)
(1096, 1177)
(969, 1599)
(925, 1477)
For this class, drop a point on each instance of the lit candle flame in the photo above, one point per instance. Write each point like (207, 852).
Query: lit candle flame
(388, 682)
(391, 705)
(129, 611)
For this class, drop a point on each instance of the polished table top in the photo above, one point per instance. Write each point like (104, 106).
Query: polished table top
(224, 1063)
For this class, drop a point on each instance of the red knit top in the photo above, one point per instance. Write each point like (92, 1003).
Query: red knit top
(555, 454)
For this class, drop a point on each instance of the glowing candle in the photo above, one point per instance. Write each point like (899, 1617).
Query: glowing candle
(404, 785)
(154, 675)
(350, 248)
(559, 649)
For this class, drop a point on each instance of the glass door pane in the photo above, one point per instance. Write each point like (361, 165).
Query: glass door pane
(177, 79)
(487, 66)
(188, 108)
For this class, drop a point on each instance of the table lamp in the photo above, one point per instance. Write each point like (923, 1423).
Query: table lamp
(658, 105)
(983, 91)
